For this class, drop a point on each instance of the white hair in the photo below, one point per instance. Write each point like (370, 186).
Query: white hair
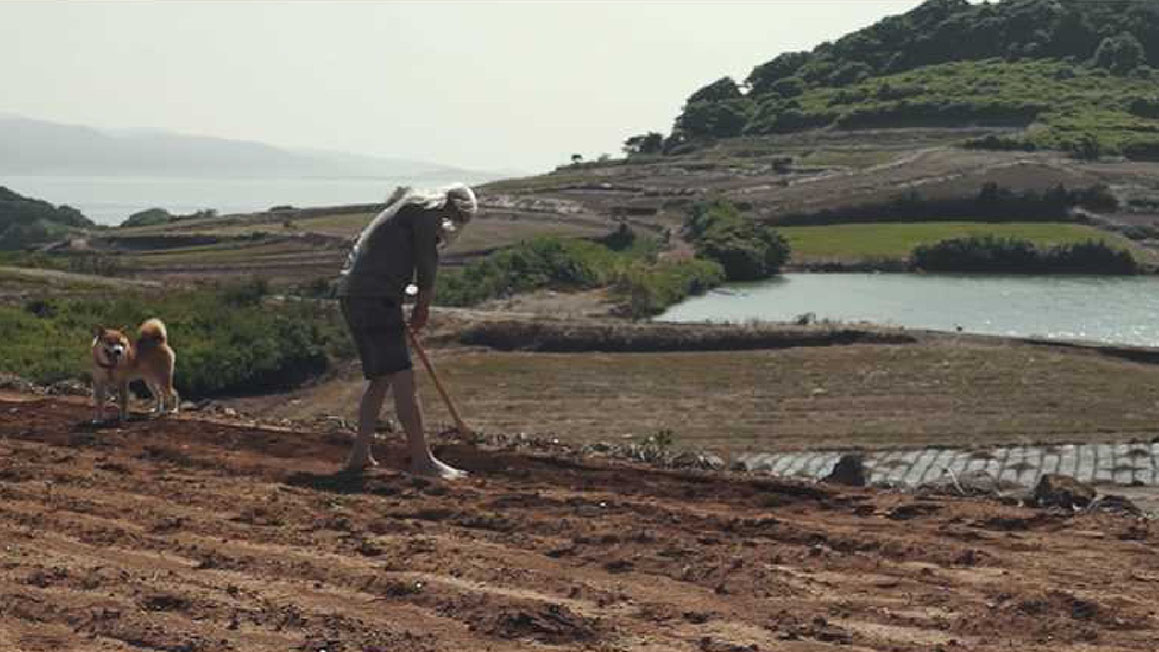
(459, 195)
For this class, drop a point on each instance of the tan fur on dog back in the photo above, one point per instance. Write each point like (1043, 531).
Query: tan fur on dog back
(153, 332)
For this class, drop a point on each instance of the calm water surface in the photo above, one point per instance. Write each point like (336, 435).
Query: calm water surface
(1122, 310)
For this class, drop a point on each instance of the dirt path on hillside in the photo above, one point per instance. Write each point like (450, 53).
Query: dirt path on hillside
(188, 535)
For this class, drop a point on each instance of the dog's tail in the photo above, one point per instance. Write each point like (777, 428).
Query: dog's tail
(153, 332)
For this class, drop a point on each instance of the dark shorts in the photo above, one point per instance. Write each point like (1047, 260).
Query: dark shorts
(379, 332)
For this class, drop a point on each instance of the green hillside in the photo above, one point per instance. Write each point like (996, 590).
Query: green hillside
(26, 222)
(1078, 75)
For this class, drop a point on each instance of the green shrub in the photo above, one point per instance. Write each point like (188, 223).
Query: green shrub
(623, 261)
(746, 249)
(248, 293)
(538, 263)
(223, 347)
(148, 217)
(991, 203)
(789, 87)
(999, 143)
(722, 89)
(992, 254)
(1142, 150)
(721, 119)
(1120, 54)
(648, 290)
(1144, 107)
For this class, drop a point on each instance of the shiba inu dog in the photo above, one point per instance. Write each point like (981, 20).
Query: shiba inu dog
(117, 361)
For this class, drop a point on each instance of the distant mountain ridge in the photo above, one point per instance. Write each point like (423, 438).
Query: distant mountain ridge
(38, 147)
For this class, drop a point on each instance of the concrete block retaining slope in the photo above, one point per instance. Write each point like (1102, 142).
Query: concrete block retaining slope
(1096, 463)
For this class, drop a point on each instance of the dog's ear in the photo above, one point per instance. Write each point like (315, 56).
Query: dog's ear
(98, 330)
(124, 329)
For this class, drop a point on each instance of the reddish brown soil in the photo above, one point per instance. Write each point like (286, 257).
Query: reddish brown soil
(188, 535)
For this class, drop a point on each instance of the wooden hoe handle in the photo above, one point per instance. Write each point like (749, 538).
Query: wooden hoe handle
(414, 340)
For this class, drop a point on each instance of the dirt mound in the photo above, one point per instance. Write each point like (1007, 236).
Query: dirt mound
(190, 534)
(553, 624)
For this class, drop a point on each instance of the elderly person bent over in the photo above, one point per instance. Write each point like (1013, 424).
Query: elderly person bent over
(401, 243)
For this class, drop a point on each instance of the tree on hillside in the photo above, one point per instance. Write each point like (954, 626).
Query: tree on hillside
(649, 143)
(576, 159)
(850, 73)
(789, 87)
(1120, 54)
(722, 89)
(714, 119)
(1072, 33)
(762, 78)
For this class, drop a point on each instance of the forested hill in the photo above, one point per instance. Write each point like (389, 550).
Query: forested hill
(1009, 63)
(25, 221)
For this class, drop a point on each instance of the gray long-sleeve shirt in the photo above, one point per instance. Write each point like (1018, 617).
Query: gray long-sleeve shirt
(397, 245)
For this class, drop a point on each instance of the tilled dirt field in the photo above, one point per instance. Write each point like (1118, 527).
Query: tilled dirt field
(194, 536)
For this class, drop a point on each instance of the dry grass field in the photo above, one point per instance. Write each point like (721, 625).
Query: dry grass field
(940, 390)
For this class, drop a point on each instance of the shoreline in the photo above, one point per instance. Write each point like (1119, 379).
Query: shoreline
(534, 333)
(903, 267)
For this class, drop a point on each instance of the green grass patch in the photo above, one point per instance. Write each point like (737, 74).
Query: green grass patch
(895, 241)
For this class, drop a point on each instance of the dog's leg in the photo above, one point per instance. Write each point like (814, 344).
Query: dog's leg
(123, 399)
(99, 398)
(167, 389)
(158, 400)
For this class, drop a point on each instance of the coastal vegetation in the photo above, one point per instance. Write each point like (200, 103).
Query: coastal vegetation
(989, 253)
(729, 247)
(747, 250)
(628, 265)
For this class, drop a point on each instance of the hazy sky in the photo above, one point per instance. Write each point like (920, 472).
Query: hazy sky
(489, 85)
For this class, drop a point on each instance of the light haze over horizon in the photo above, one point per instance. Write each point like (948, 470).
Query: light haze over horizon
(481, 85)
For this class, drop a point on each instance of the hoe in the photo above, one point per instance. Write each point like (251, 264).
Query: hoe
(414, 340)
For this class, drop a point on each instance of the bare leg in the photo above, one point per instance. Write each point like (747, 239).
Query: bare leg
(373, 395)
(410, 414)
